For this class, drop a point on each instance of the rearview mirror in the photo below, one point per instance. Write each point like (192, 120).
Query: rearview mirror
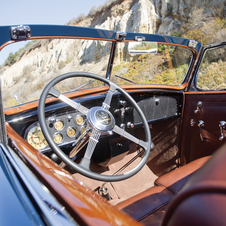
(143, 47)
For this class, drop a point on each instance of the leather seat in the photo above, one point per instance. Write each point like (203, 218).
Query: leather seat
(149, 207)
(202, 201)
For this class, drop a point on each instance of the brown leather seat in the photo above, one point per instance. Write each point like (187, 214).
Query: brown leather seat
(149, 206)
(202, 201)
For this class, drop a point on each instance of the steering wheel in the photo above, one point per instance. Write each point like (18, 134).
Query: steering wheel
(100, 120)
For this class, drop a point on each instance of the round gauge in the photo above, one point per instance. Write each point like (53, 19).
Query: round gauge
(83, 129)
(79, 120)
(36, 138)
(58, 138)
(71, 131)
(59, 125)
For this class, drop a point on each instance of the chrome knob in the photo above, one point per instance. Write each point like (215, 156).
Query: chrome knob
(122, 126)
(130, 125)
(200, 125)
(123, 103)
(222, 125)
(199, 104)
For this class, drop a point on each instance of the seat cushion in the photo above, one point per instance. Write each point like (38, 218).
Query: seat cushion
(176, 179)
(149, 205)
(146, 203)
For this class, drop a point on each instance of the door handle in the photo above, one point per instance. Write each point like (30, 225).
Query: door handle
(222, 125)
(200, 125)
(199, 105)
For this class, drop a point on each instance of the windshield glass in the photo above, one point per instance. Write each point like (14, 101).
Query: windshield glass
(162, 64)
(25, 72)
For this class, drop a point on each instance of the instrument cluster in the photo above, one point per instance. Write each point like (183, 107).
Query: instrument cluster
(64, 129)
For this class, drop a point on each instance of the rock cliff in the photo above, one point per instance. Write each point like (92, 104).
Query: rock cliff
(149, 16)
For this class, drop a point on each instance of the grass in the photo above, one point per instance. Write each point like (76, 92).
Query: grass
(212, 76)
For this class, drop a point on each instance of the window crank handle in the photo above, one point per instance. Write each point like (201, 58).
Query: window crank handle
(200, 125)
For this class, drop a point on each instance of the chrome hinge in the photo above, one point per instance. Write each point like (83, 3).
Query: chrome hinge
(192, 44)
(20, 32)
(120, 36)
(140, 38)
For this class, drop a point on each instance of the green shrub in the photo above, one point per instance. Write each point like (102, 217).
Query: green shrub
(11, 59)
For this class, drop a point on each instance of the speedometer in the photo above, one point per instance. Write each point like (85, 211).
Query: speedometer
(36, 138)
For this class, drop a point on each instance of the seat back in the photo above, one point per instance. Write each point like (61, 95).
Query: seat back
(202, 201)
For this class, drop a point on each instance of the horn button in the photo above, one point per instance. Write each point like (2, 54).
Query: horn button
(101, 119)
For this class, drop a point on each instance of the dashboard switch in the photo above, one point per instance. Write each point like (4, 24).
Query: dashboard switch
(122, 126)
(117, 112)
(130, 125)
(128, 110)
(123, 103)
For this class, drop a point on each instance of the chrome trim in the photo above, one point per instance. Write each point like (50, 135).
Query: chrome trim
(222, 125)
(79, 116)
(200, 125)
(3, 135)
(71, 127)
(75, 105)
(96, 123)
(61, 135)
(55, 117)
(139, 38)
(56, 122)
(125, 134)
(120, 36)
(20, 32)
(94, 139)
(192, 122)
(192, 44)
(199, 105)
(32, 126)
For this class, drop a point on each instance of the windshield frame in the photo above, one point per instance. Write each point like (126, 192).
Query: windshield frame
(74, 32)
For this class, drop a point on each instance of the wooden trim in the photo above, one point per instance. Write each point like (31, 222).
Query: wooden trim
(70, 37)
(97, 90)
(5, 44)
(205, 92)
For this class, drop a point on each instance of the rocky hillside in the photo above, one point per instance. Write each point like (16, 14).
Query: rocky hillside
(150, 16)
(34, 65)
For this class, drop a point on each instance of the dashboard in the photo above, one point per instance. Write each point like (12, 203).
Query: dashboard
(66, 125)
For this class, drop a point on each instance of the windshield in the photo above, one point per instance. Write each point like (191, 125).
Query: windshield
(25, 72)
(163, 64)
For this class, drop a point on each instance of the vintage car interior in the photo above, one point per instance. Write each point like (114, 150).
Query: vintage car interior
(101, 127)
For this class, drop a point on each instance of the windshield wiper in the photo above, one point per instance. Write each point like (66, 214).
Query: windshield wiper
(125, 79)
(79, 87)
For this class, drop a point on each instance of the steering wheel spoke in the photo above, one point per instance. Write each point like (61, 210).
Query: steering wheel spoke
(107, 102)
(129, 136)
(68, 101)
(93, 140)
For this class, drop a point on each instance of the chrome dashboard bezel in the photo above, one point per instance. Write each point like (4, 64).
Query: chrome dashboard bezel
(69, 140)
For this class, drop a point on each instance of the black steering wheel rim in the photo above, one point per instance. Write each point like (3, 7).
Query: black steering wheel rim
(64, 157)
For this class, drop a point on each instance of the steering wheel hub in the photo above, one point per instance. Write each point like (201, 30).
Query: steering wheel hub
(101, 119)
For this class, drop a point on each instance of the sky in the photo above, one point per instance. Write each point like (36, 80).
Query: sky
(16, 12)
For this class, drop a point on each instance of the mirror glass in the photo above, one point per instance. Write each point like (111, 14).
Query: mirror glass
(143, 47)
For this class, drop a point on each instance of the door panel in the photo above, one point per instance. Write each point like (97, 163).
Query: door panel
(205, 106)
(212, 111)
